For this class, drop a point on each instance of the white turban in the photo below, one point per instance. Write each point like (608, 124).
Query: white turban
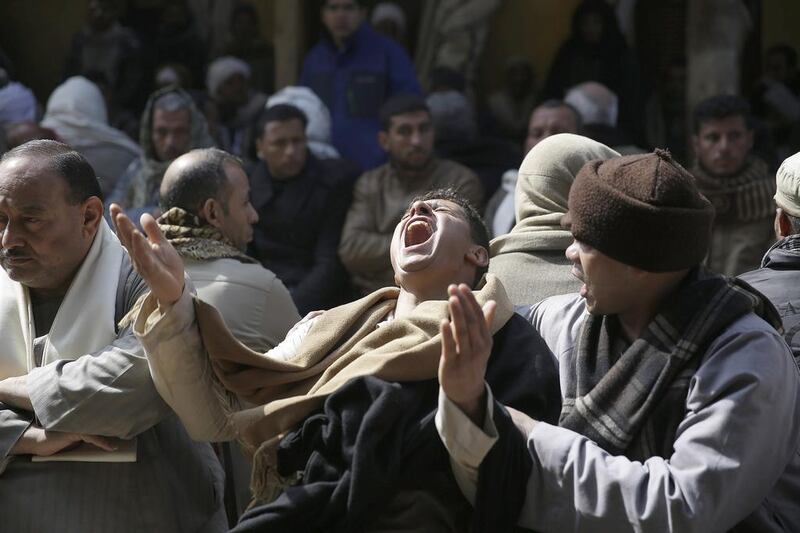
(223, 68)
(318, 128)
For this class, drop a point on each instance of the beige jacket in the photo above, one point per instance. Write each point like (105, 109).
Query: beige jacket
(380, 198)
(738, 247)
(255, 305)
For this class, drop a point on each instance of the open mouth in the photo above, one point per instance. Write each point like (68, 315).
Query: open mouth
(417, 232)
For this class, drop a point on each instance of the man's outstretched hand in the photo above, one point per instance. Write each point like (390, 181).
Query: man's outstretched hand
(153, 256)
(466, 346)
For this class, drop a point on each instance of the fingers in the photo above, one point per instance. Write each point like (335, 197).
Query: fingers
(101, 442)
(458, 321)
(122, 224)
(448, 342)
(151, 229)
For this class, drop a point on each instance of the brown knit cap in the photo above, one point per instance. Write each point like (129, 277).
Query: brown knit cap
(642, 210)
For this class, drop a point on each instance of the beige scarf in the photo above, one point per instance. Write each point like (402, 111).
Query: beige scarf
(84, 322)
(344, 343)
(543, 184)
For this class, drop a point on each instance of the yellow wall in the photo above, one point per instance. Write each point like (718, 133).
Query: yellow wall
(36, 35)
(532, 28)
(780, 23)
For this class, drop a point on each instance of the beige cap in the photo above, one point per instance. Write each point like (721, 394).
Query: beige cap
(788, 179)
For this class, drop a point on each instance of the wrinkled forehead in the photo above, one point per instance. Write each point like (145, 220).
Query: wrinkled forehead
(27, 180)
(433, 203)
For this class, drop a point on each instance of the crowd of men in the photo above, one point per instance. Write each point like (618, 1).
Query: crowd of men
(318, 311)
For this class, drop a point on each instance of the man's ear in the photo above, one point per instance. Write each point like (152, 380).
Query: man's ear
(783, 228)
(383, 140)
(211, 212)
(92, 214)
(478, 256)
(750, 138)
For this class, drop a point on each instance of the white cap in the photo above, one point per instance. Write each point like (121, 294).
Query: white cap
(788, 180)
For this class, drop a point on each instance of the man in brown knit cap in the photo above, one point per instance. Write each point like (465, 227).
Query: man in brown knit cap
(680, 400)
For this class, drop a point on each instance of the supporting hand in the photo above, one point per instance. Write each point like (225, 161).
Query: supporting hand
(37, 441)
(466, 347)
(153, 257)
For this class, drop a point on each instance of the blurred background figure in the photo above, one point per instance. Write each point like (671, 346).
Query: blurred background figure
(17, 102)
(301, 201)
(512, 105)
(19, 133)
(599, 110)
(105, 46)
(597, 51)
(459, 139)
(171, 126)
(233, 105)
(76, 111)
(389, 19)
(247, 43)
(550, 118)
(177, 40)
(354, 70)
(318, 126)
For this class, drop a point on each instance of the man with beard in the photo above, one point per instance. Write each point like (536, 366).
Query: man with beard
(738, 184)
(381, 195)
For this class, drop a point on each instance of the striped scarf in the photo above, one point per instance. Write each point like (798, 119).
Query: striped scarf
(633, 405)
(744, 197)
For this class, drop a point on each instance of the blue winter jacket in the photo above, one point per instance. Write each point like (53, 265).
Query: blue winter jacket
(354, 82)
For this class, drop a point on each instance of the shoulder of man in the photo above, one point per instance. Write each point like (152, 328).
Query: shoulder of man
(252, 275)
(450, 169)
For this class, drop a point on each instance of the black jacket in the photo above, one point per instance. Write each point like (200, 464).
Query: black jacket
(375, 438)
(300, 223)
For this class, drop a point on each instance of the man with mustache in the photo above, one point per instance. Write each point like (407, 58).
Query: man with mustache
(72, 375)
(386, 344)
(681, 401)
(736, 181)
(381, 195)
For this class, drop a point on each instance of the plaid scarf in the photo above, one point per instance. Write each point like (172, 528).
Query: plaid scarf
(633, 405)
(744, 197)
(197, 240)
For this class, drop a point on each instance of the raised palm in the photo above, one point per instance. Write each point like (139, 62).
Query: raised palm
(153, 257)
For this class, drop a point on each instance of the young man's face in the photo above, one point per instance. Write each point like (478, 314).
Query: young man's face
(607, 286)
(722, 145)
(409, 140)
(433, 244)
(547, 121)
(342, 18)
(282, 146)
(238, 214)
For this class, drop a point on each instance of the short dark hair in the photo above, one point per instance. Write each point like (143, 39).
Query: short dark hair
(788, 53)
(477, 227)
(278, 113)
(555, 103)
(67, 162)
(719, 107)
(400, 105)
(205, 178)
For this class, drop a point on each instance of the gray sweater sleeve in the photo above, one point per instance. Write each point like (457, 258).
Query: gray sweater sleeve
(718, 473)
(108, 392)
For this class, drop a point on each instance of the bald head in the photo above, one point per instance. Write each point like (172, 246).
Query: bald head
(195, 177)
